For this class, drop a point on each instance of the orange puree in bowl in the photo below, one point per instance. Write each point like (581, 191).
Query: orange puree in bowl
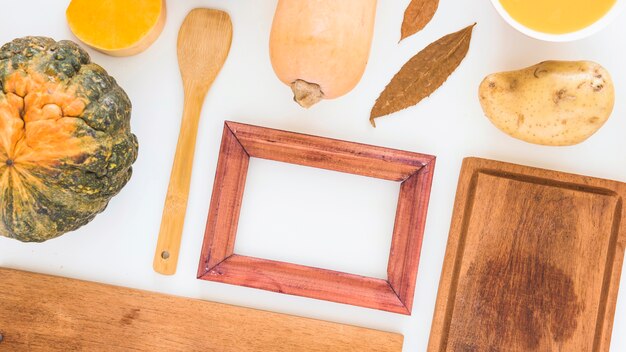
(557, 16)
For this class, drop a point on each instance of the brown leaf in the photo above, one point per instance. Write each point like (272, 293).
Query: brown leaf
(417, 15)
(423, 73)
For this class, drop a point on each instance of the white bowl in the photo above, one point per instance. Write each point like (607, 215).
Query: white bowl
(609, 17)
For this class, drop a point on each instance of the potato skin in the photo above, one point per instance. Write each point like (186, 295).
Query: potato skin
(555, 103)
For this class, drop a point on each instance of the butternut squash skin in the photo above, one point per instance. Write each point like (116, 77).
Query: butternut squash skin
(320, 48)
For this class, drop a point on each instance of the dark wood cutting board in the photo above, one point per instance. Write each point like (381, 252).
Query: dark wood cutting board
(47, 313)
(533, 262)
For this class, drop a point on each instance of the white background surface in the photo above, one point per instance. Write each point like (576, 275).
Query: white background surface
(280, 220)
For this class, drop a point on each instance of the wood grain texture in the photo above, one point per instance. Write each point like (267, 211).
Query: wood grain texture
(533, 261)
(405, 245)
(305, 281)
(329, 154)
(203, 44)
(240, 142)
(46, 313)
(229, 184)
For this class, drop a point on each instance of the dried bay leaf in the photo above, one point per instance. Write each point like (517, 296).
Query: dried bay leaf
(423, 73)
(417, 15)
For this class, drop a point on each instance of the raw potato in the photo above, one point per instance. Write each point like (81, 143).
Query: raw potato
(556, 103)
(117, 27)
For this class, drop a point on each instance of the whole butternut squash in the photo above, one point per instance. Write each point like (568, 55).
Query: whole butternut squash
(320, 47)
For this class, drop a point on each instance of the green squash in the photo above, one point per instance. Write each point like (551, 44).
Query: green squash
(65, 142)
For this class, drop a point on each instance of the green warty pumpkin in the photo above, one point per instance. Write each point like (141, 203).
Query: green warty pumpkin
(65, 143)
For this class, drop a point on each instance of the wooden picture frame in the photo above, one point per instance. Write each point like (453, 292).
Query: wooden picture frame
(240, 142)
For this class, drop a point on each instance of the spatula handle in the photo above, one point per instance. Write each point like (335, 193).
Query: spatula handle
(173, 220)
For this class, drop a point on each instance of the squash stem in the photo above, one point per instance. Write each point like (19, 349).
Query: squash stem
(306, 94)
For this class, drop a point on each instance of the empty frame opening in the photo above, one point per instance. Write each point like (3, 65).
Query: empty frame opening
(318, 218)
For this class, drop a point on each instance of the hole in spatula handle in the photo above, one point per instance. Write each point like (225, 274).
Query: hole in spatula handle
(165, 255)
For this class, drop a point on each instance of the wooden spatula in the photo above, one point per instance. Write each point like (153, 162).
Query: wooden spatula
(203, 45)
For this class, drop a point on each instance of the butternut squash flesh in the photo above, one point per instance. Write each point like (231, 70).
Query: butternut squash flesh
(117, 27)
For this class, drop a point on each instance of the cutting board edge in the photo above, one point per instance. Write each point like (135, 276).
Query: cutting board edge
(464, 199)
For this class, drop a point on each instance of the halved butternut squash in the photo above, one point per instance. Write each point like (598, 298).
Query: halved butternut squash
(117, 27)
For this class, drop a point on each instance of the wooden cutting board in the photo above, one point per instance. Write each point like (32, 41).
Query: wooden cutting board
(533, 261)
(47, 313)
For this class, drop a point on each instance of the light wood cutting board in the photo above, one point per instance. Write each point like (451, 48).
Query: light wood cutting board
(533, 261)
(47, 313)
